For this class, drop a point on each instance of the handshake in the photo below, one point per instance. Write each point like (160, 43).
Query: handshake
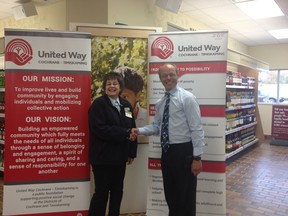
(134, 132)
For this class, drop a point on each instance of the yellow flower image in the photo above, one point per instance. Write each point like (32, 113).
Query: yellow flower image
(112, 54)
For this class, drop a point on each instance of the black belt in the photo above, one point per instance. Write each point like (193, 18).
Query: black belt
(178, 144)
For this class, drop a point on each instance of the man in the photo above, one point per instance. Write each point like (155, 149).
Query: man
(181, 156)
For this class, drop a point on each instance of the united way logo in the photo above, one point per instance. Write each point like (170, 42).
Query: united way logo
(18, 51)
(162, 47)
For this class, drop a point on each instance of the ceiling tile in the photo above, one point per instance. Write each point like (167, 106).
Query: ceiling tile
(186, 7)
(227, 13)
(203, 4)
(274, 23)
(202, 17)
(215, 14)
(244, 26)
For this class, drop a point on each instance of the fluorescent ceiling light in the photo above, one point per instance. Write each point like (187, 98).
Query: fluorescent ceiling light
(239, 1)
(279, 33)
(259, 9)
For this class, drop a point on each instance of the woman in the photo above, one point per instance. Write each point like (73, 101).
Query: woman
(111, 145)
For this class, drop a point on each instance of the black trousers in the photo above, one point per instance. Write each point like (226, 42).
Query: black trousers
(108, 185)
(179, 182)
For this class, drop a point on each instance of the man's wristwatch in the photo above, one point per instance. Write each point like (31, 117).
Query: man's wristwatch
(197, 158)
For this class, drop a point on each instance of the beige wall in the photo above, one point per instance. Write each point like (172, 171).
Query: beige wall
(87, 11)
(129, 12)
(275, 55)
(145, 13)
(265, 111)
(277, 58)
(49, 17)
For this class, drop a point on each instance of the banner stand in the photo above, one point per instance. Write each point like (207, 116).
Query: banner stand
(201, 59)
(279, 142)
(279, 125)
(47, 97)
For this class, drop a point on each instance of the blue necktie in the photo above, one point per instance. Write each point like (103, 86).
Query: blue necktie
(165, 122)
(117, 105)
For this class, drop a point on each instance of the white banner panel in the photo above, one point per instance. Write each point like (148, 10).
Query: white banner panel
(48, 91)
(201, 58)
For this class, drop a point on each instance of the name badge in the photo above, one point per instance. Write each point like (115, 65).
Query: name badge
(127, 112)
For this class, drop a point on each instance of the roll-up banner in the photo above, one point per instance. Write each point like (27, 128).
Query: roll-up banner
(279, 125)
(201, 58)
(47, 96)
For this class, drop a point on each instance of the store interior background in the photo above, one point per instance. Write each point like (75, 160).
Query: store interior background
(143, 13)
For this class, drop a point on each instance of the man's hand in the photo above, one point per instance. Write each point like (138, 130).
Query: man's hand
(130, 161)
(196, 167)
(135, 131)
(133, 134)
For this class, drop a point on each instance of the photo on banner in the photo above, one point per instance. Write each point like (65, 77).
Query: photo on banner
(124, 50)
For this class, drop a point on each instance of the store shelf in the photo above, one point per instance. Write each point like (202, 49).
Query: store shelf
(241, 104)
(2, 115)
(2, 142)
(239, 87)
(240, 149)
(240, 128)
(240, 107)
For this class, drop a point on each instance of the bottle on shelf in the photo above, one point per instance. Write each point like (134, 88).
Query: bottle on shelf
(2, 79)
(2, 102)
(2, 156)
(2, 129)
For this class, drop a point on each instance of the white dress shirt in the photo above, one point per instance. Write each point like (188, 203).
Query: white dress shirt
(184, 120)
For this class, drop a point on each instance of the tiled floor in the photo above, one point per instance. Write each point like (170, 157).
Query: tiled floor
(256, 183)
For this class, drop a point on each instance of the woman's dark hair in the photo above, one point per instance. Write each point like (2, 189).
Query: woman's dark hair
(113, 76)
